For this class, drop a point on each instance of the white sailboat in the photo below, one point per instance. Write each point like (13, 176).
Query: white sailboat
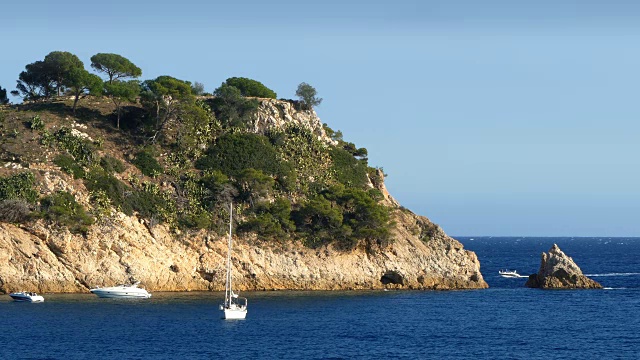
(234, 307)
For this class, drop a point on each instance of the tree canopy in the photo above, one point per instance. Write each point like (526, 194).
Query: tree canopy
(115, 66)
(307, 95)
(79, 81)
(250, 87)
(120, 92)
(163, 97)
(231, 108)
(35, 81)
(3, 96)
(59, 65)
(48, 77)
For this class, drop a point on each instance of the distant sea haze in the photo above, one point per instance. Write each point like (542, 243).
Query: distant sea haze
(506, 321)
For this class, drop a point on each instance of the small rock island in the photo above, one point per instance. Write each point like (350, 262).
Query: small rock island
(559, 271)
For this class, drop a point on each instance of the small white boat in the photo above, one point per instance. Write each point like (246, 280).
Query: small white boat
(26, 296)
(234, 307)
(509, 273)
(122, 292)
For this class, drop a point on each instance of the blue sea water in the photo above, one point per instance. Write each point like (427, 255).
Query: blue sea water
(507, 321)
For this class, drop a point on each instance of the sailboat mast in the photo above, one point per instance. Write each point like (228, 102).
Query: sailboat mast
(228, 291)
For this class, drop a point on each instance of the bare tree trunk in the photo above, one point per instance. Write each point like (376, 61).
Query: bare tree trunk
(75, 103)
(118, 121)
(117, 104)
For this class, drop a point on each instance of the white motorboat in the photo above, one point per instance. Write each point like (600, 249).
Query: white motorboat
(122, 292)
(26, 296)
(509, 273)
(234, 307)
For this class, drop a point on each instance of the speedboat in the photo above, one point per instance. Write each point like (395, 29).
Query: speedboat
(509, 273)
(26, 296)
(122, 292)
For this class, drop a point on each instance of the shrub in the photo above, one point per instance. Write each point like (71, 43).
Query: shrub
(205, 190)
(14, 211)
(270, 221)
(231, 108)
(254, 185)
(249, 87)
(349, 171)
(343, 216)
(265, 225)
(101, 203)
(98, 180)
(195, 129)
(81, 149)
(195, 220)
(148, 164)
(368, 219)
(62, 208)
(111, 164)
(233, 153)
(69, 165)
(18, 186)
(36, 123)
(306, 155)
(150, 204)
(318, 220)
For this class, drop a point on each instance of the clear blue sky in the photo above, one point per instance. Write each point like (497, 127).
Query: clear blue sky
(491, 118)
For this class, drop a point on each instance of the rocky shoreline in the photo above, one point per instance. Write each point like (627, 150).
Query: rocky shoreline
(48, 260)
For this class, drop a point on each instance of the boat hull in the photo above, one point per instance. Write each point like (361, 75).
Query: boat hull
(234, 314)
(111, 294)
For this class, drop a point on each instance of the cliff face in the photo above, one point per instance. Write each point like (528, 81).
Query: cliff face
(278, 114)
(43, 259)
(46, 258)
(559, 271)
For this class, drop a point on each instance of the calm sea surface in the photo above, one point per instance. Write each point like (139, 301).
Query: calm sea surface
(506, 321)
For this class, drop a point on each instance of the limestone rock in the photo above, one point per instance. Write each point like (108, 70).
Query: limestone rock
(559, 271)
(279, 114)
(45, 258)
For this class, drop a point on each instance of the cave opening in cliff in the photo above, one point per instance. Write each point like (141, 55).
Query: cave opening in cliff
(392, 277)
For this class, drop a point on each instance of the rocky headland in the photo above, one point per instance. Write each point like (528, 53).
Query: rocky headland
(559, 271)
(42, 256)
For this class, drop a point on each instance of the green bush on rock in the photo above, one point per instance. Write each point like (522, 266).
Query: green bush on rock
(62, 208)
(69, 165)
(233, 153)
(148, 164)
(18, 186)
(111, 165)
(249, 87)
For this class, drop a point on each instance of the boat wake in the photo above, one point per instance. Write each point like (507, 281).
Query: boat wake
(610, 288)
(613, 274)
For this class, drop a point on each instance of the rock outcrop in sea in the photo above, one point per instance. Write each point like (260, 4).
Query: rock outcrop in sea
(43, 257)
(559, 271)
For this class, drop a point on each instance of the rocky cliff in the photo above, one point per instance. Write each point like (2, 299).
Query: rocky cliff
(46, 260)
(44, 257)
(559, 271)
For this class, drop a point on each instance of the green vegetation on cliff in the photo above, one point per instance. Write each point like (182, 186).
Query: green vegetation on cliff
(156, 149)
